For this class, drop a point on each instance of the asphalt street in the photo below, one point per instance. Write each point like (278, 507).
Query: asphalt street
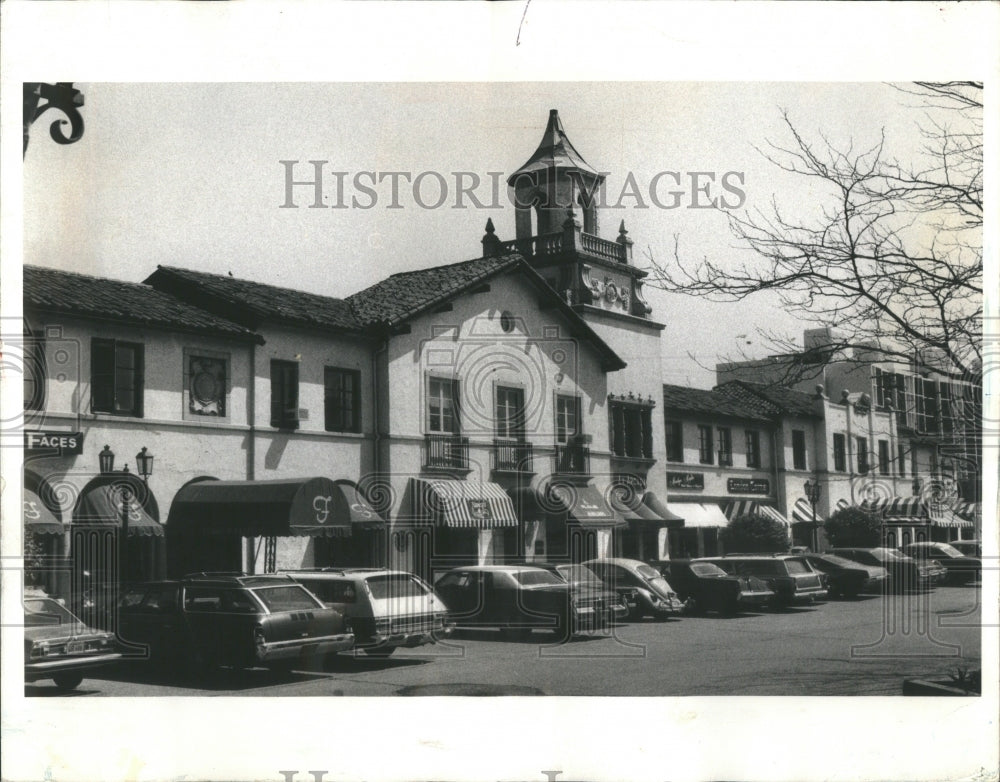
(857, 647)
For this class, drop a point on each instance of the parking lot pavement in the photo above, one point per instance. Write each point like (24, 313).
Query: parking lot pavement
(855, 647)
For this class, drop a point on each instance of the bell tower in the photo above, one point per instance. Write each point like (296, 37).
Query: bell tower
(555, 179)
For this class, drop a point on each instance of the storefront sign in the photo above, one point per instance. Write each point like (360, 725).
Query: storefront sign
(685, 480)
(748, 486)
(64, 443)
(480, 509)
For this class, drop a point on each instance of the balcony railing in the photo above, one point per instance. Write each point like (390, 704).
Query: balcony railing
(446, 451)
(604, 249)
(572, 459)
(535, 246)
(512, 456)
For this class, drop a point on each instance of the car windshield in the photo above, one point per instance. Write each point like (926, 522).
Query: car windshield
(707, 569)
(535, 577)
(286, 598)
(888, 554)
(797, 566)
(579, 574)
(395, 585)
(944, 548)
(46, 611)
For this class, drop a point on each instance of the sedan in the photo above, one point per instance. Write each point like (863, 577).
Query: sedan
(654, 596)
(847, 578)
(905, 573)
(517, 599)
(58, 646)
(959, 567)
(707, 587)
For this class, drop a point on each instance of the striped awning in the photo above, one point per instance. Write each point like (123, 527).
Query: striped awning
(802, 511)
(697, 514)
(946, 517)
(736, 508)
(969, 511)
(842, 503)
(899, 510)
(453, 503)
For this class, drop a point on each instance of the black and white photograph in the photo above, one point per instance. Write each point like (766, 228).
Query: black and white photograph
(588, 409)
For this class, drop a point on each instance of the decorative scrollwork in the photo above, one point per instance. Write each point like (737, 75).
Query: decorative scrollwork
(62, 96)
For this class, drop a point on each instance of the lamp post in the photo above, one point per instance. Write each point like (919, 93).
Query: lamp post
(812, 488)
(144, 464)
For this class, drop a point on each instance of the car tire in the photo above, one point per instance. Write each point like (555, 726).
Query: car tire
(381, 652)
(68, 680)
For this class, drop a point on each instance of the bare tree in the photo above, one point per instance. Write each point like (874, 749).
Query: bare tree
(889, 255)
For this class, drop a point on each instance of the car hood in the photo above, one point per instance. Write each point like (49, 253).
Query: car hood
(60, 632)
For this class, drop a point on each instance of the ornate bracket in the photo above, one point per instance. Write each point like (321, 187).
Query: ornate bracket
(62, 96)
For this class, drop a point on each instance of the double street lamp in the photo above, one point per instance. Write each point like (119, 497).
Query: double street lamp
(144, 463)
(812, 488)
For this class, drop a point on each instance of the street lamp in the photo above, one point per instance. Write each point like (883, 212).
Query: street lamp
(812, 488)
(144, 463)
(106, 460)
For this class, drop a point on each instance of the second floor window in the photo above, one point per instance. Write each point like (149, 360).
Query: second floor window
(883, 457)
(725, 447)
(753, 448)
(341, 400)
(675, 441)
(839, 453)
(902, 461)
(798, 449)
(862, 455)
(116, 377)
(510, 413)
(631, 430)
(567, 418)
(442, 410)
(705, 444)
(284, 394)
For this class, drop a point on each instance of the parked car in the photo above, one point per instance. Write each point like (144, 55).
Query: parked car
(58, 646)
(385, 609)
(653, 595)
(207, 620)
(847, 578)
(970, 548)
(518, 599)
(704, 586)
(585, 580)
(790, 576)
(959, 567)
(905, 573)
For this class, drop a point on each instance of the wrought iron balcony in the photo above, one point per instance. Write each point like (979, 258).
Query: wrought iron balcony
(572, 459)
(512, 456)
(446, 451)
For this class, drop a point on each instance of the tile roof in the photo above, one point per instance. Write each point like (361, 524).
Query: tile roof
(253, 302)
(72, 293)
(697, 400)
(403, 295)
(774, 400)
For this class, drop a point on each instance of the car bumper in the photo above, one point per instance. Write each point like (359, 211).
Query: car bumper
(875, 584)
(755, 598)
(288, 650)
(804, 598)
(590, 617)
(43, 669)
(408, 639)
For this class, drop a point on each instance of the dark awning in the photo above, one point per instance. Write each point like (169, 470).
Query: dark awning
(39, 518)
(313, 507)
(584, 505)
(100, 506)
(632, 506)
(453, 503)
(655, 504)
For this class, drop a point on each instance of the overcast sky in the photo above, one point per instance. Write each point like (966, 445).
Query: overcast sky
(189, 175)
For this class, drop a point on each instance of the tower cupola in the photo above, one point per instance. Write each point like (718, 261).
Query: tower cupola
(555, 179)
